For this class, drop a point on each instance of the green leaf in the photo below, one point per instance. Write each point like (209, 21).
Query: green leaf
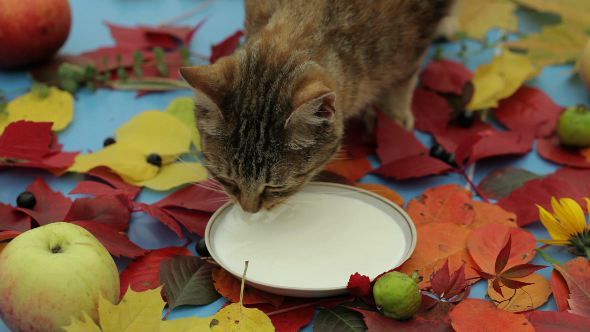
(502, 182)
(89, 72)
(150, 84)
(40, 90)
(137, 63)
(187, 281)
(69, 85)
(339, 319)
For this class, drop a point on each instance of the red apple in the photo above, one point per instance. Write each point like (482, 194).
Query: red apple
(32, 30)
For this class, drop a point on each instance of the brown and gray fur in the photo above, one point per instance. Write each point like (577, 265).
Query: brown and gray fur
(271, 115)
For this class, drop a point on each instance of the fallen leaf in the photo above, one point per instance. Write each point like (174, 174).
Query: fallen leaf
(352, 169)
(500, 79)
(229, 287)
(148, 37)
(487, 213)
(550, 149)
(559, 290)
(389, 136)
(51, 206)
(576, 273)
(359, 285)
(551, 321)
(144, 272)
(432, 112)
(446, 76)
(574, 12)
(383, 191)
(235, 317)
(359, 141)
(447, 286)
(523, 200)
(188, 324)
(528, 297)
(432, 320)
(485, 243)
(467, 317)
(187, 281)
(13, 220)
(477, 17)
(555, 44)
(175, 175)
(108, 210)
(117, 243)
(493, 143)
(183, 108)
(529, 110)
(446, 203)
(136, 312)
(502, 182)
(107, 183)
(57, 108)
(413, 167)
(8, 235)
(226, 46)
(200, 197)
(26, 140)
(294, 320)
(85, 324)
(106, 59)
(339, 319)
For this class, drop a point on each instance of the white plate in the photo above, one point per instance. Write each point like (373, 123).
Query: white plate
(309, 246)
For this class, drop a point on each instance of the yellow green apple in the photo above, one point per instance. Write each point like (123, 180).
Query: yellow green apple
(52, 273)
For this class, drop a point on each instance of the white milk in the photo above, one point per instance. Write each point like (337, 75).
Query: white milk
(313, 241)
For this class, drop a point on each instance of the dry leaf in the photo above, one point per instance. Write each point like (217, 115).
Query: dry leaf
(183, 108)
(57, 107)
(480, 315)
(174, 175)
(500, 79)
(523, 299)
(189, 324)
(136, 312)
(447, 203)
(486, 213)
(86, 324)
(236, 317)
(477, 17)
(573, 12)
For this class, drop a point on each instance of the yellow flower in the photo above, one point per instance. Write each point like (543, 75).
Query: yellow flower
(567, 225)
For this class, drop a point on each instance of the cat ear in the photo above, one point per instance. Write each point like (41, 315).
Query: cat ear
(314, 112)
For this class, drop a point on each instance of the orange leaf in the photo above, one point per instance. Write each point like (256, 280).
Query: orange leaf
(352, 169)
(479, 315)
(447, 203)
(229, 287)
(523, 299)
(438, 242)
(560, 291)
(486, 213)
(384, 191)
(485, 243)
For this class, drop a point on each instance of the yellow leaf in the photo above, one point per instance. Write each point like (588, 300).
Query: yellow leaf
(2, 245)
(137, 312)
(119, 157)
(477, 17)
(84, 325)
(575, 13)
(183, 109)
(500, 79)
(235, 317)
(190, 324)
(155, 132)
(3, 121)
(174, 175)
(527, 298)
(553, 45)
(57, 107)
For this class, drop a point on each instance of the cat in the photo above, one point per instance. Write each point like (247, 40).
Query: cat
(271, 115)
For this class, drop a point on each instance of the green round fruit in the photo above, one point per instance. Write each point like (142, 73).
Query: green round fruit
(397, 295)
(574, 127)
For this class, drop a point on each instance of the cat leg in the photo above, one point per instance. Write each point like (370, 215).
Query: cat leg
(397, 102)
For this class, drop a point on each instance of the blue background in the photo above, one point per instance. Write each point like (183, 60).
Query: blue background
(98, 114)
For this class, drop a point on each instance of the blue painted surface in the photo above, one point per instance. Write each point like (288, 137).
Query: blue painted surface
(99, 114)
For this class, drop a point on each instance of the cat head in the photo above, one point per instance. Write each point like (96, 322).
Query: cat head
(267, 126)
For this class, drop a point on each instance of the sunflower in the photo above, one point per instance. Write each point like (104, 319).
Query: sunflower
(567, 225)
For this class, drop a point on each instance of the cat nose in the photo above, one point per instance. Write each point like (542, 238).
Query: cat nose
(250, 204)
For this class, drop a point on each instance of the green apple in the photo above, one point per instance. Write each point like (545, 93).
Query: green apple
(573, 128)
(52, 273)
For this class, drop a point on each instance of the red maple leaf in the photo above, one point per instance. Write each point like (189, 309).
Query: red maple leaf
(113, 211)
(144, 272)
(13, 220)
(104, 182)
(550, 149)
(529, 110)
(446, 76)
(51, 206)
(116, 242)
(26, 140)
(148, 37)
(226, 46)
(447, 286)
(492, 143)
(359, 285)
(432, 112)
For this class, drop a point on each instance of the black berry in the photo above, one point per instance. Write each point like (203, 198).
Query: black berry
(437, 151)
(201, 248)
(154, 159)
(108, 141)
(449, 158)
(26, 200)
(466, 119)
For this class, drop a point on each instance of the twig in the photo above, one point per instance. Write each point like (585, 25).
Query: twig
(168, 310)
(305, 305)
(200, 7)
(472, 185)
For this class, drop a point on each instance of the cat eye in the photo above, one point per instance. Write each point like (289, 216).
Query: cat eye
(274, 188)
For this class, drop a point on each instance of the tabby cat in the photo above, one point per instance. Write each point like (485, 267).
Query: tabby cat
(271, 115)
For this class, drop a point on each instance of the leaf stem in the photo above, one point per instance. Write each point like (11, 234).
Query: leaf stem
(200, 7)
(472, 185)
(168, 311)
(305, 305)
(243, 283)
(547, 258)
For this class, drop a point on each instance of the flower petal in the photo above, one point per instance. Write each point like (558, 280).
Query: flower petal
(155, 132)
(57, 107)
(552, 225)
(174, 175)
(183, 108)
(130, 163)
(570, 215)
